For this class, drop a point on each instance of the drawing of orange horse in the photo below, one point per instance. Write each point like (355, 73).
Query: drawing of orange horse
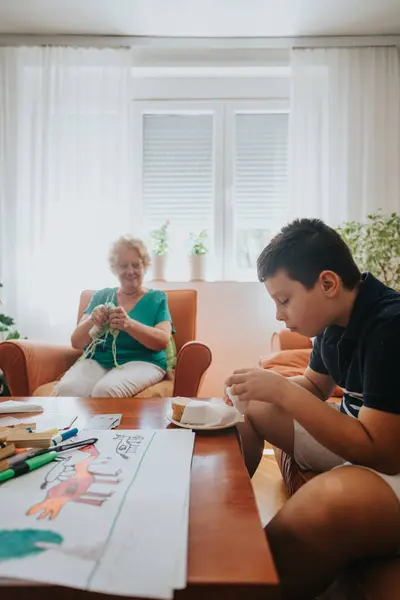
(75, 488)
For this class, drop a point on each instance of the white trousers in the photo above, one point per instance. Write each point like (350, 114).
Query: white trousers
(311, 455)
(87, 378)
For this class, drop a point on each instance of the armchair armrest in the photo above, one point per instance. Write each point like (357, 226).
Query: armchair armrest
(289, 340)
(192, 362)
(28, 364)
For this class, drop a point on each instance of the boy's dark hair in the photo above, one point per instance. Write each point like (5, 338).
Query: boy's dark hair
(305, 248)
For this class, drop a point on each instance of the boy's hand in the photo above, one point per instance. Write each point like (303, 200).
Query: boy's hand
(257, 384)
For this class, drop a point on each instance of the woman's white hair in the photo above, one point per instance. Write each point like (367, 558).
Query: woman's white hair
(126, 242)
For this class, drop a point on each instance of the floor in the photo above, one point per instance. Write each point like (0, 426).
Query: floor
(268, 486)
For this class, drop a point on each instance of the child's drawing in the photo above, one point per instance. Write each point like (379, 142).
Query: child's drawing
(72, 484)
(19, 543)
(128, 444)
(50, 534)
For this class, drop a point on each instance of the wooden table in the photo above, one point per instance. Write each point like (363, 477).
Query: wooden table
(228, 554)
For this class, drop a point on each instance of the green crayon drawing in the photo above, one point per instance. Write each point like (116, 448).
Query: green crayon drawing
(20, 543)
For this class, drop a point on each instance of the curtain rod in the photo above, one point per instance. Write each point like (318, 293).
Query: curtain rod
(353, 46)
(193, 44)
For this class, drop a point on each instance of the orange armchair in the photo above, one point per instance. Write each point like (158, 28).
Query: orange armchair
(33, 368)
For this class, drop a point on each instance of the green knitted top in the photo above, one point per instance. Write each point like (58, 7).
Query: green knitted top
(151, 309)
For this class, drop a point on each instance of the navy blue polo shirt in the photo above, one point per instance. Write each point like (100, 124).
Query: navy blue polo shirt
(364, 357)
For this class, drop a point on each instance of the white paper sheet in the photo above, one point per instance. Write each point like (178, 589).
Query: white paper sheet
(13, 406)
(107, 421)
(42, 423)
(111, 518)
(181, 558)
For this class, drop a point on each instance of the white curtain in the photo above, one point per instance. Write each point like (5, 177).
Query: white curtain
(345, 132)
(65, 179)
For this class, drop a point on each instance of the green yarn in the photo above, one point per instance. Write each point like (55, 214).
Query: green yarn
(114, 333)
(100, 336)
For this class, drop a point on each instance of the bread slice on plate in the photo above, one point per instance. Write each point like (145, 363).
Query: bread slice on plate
(178, 406)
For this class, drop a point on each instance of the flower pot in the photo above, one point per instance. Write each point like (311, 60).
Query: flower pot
(197, 267)
(159, 262)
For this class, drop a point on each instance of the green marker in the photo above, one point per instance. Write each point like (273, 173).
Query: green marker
(27, 465)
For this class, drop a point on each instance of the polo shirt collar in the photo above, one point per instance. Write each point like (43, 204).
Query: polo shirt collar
(369, 294)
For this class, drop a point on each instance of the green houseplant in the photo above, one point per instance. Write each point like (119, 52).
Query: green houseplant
(160, 247)
(198, 243)
(160, 239)
(198, 252)
(375, 245)
(7, 332)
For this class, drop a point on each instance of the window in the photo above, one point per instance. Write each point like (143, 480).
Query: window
(260, 184)
(177, 179)
(218, 166)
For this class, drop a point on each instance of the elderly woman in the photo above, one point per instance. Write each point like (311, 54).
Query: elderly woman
(127, 329)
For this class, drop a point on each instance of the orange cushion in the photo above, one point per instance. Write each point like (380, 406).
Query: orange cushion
(291, 363)
(164, 389)
(287, 362)
(47, 389)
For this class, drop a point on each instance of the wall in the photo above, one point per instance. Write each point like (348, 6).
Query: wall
(236, 319)
(203, 88)
(210, 74)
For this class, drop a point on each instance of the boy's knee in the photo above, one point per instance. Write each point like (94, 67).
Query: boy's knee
(255, 411)
(262, 416)
(325, 509)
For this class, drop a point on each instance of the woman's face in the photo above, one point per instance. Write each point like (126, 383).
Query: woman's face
(130, 270)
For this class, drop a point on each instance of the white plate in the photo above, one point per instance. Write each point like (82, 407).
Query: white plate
(209, 427)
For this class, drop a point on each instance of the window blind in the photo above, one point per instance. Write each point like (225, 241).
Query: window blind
(178, 170)
(261, 186)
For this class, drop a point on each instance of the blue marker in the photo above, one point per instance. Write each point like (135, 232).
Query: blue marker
(64, 436)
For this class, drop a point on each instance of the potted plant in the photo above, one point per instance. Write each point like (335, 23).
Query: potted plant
(198, 253)
(375, 245)
(7, 332)
(160, 247)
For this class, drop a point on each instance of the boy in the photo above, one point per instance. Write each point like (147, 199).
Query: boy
(352, 511)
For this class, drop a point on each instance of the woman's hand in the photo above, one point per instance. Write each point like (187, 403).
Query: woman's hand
(257, 384)
(99, 315)
(119, 319)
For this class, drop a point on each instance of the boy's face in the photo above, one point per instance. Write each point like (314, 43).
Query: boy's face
(305, 311)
